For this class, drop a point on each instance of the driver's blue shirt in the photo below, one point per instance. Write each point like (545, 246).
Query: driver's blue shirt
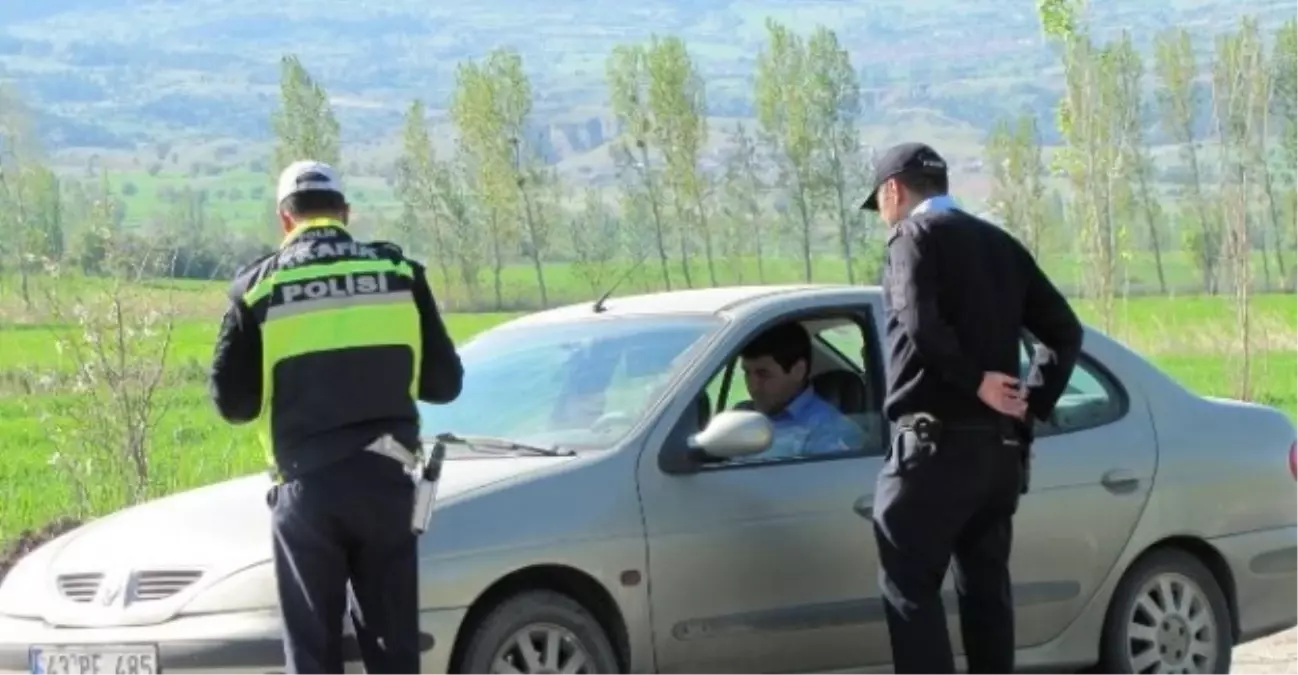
(809, 425)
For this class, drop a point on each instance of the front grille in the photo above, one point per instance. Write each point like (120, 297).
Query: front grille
(162, 584)
(79, 587)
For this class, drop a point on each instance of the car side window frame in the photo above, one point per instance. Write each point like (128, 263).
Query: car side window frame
(672, 455)
(1115, 392)
(820, 337)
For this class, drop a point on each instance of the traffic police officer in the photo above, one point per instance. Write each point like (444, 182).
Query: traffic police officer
(328, 342)
(959, 293)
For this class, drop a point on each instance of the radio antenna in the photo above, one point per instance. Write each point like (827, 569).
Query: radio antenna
(598, 307)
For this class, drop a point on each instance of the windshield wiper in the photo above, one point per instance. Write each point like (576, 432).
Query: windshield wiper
(479, 443)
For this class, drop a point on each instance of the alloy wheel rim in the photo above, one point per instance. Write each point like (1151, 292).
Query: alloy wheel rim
(1172, 628)
(542, 648)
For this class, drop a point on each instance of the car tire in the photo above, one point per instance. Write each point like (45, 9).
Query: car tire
(546, 621)
(1189, 632)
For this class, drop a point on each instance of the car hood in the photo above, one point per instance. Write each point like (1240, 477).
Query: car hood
(225, 527)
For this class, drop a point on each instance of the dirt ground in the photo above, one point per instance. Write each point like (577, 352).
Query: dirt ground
(1276, 654)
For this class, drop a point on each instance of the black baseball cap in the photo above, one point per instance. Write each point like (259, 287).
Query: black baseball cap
(908, 158)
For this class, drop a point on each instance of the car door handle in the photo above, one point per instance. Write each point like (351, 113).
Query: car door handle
(1119, 481)
(864, 507)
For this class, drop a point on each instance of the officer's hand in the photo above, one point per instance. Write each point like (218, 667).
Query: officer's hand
(1001, 393)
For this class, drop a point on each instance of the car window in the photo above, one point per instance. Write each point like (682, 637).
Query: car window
(639, 374)
(844, 337)
(1091, 399)
(836, 417)
(848, 340)
(580, 384)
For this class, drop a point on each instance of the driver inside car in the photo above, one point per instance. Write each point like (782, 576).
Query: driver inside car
(777, 367)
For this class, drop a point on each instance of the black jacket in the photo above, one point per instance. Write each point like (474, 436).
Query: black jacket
(960, 292)
(329, 404)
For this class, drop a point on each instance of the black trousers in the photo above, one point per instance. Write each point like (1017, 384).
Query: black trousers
(347, 523)
(955, 500)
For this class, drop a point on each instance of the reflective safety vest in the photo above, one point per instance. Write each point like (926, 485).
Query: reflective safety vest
(341, 346)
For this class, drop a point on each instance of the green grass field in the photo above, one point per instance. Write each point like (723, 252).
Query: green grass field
(569, 283)
(1192, 337)
(240, 197)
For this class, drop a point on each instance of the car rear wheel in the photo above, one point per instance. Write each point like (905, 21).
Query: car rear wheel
(1168, 615)
(539, 632)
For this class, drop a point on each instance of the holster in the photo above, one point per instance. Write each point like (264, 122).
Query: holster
(1024, 430)
(928, 430)
(423, 470)
(429, 474)
(916, 438)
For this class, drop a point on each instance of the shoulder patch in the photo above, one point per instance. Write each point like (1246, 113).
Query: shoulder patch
(897, 285)
(897, 278)
(905, 228)
(916, 229)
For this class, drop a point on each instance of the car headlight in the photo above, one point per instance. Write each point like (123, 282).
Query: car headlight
(248, 590)
(23, 589)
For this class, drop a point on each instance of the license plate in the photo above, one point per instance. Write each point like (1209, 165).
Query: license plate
(86, 659)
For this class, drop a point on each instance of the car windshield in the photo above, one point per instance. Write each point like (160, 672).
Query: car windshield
(579, 385)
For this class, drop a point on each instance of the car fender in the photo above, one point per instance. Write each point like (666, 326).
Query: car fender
(582, 515)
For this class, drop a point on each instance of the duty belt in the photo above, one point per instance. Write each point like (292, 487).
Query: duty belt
(389, 447)
(918, 419)
(932, 426)
(385, 445)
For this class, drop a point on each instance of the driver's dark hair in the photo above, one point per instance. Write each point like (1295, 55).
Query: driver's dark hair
(314, 203)
(924, 185)
(786, 343)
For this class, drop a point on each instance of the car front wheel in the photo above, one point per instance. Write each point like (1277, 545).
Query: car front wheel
(1168, 615)
(539, 632)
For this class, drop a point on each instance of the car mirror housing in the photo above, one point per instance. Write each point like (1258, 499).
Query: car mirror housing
(734, 433)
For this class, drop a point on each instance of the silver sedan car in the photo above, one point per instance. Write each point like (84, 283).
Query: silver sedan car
(609, 506)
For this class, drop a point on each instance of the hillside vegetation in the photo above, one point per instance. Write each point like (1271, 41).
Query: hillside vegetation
(190, 87)
(118, 73)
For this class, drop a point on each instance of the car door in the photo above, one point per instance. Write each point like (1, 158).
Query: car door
(1092, 473)
(761, 565)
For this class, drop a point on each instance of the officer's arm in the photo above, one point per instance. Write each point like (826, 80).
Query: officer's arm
(1050, 319)
(235, 381)
(914, 288)
(441, 375)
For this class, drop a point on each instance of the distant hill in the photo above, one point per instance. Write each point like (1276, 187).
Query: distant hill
(119, 74)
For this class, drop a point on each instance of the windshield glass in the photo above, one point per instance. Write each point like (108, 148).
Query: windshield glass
(579, 385)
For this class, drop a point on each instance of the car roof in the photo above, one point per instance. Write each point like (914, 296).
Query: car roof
(713, 301)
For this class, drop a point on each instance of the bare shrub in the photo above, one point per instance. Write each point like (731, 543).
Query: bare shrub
(114, 343)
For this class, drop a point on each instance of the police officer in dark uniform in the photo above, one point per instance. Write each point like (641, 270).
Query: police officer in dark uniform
(959, 294)
(328, 342)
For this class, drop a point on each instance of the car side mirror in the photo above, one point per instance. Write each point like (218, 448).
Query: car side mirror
(733, 434)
